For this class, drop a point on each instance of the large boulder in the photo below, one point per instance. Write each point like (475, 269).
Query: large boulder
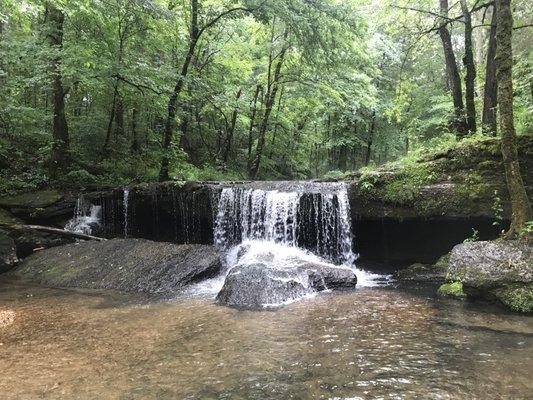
(133, 265)
(258, 286)
(497, 269)
(8, 255)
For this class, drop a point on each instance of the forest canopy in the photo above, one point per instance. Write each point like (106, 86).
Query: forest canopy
(111, 92)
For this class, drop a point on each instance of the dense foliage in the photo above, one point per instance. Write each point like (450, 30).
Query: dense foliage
(223, 89)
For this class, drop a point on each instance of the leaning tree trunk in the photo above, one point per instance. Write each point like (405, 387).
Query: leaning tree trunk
(490, 95)
(60, 157)
(470, 78)
(452, 72)
(520, 206)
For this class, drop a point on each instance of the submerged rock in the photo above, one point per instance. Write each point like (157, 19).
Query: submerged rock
(422, 273)
(133, 265)
(502, 270)
(259, 286)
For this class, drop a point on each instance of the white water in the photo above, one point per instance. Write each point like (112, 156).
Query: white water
(126, 195)
(86, 216)
(274, 216)
(262, 226)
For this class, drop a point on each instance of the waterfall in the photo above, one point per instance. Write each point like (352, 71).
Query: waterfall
(317, 220)
(86, 216)
(126, 196)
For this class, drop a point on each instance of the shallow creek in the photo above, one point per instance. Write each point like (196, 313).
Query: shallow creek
(380, 342)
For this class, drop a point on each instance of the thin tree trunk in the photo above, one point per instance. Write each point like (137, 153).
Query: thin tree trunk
(490, 95)
(135, 145)
(271, 97)
(452, 72)
(173, 100)
(273, 143)
(520, 206)
(370, 138)
(470, 78)
(60, 156)
(231, 131)
(105, 148)
(119, 118)
(258, 89)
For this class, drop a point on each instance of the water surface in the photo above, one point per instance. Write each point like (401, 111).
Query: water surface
(367, 344)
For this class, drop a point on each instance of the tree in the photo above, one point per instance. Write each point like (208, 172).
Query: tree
(452, 72)
(470, 77)
(195, 33)
(520, 206)
(490, 92)
(60, 157)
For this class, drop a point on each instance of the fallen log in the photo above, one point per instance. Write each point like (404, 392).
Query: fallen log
(49, 229)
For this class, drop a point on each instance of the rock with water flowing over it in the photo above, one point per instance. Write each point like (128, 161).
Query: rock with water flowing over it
(259, 286)
(133, 265)
(499, 269)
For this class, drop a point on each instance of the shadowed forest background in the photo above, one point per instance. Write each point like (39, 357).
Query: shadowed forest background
(112, 92)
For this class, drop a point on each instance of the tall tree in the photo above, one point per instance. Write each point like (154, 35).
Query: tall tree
(60, 157)
(470, 77)
(452, 71)
(195, 32)
(490, 92)
(520, 206)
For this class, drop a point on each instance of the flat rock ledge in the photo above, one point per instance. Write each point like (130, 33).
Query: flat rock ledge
(501, 270)
(130, 265)
(259, 287)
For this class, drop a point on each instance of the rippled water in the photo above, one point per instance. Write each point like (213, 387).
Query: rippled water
(370, 343)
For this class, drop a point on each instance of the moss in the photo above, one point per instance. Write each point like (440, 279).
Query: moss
(443, 261)
(454, 289)
(518, 298)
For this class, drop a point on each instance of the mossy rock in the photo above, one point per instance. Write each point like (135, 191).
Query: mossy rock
(518, 298)
(39, 199)
(6, 218)
(453, 289)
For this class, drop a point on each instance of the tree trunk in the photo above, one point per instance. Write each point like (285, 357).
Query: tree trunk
(105, 148)
(370, 138)
(470, 78)
(520, 206)
(270, 99)
(135, 145)
(258, 89)
(490, 95)
(119, 118)
(231, 131)
(452, 72)
(60, 156)
(173, 100)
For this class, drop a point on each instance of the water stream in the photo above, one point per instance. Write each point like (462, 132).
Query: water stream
(373, 343)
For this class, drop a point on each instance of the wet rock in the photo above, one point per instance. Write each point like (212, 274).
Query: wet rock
(259, 286)
(133, 265)
(46, 207)
(499, 269)
(422, 273)
(8, 255)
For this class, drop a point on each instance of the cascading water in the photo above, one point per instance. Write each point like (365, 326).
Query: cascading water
(287, 229)
(86, 216)
(319, 221)
(126, 195)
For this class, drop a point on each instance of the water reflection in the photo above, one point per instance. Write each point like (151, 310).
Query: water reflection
(372, 343)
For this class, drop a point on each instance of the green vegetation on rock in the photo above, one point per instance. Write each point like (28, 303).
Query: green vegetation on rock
(454, 289)
(518, 298)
